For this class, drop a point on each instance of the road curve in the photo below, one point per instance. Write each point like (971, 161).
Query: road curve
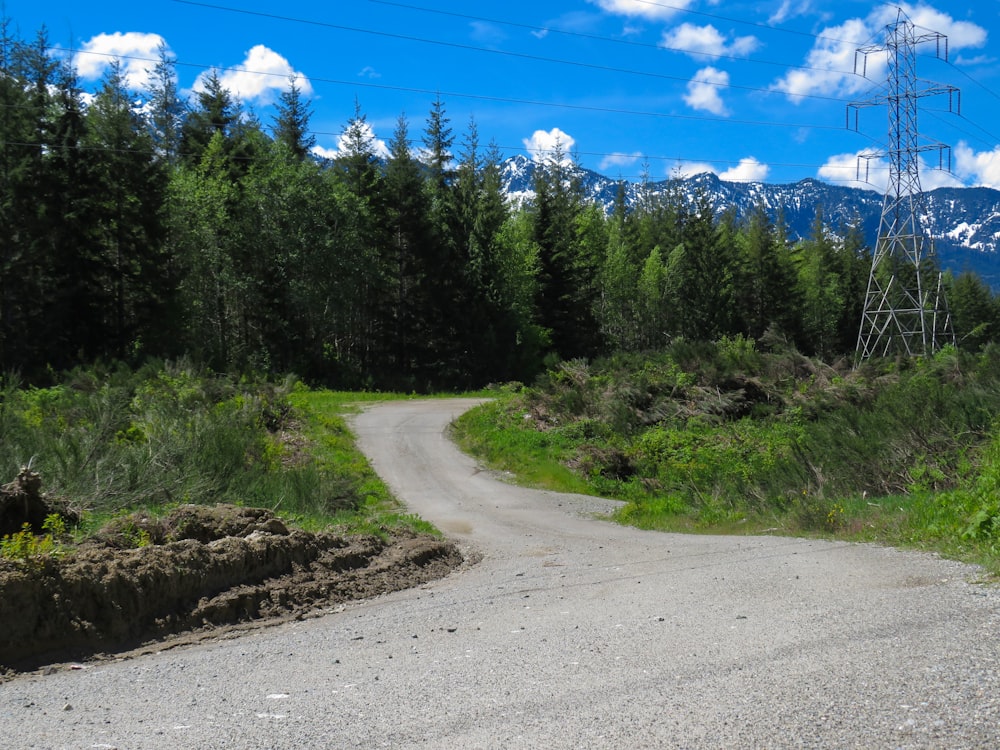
(570, 632)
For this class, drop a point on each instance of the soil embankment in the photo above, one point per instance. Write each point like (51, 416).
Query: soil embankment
(199, 569)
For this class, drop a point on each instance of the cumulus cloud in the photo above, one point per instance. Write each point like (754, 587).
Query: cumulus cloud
(961, 34)
(138, 53)
(829, 66)
(980, 168)
(703, 91)
(748, 170)
(262, 75)
(856, 170)
(379, 146)
(641, 8)
(706, 40)
(620, 160)
(542, 144)
(871, 172)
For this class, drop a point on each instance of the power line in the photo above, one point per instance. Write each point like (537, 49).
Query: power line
(479, 97)
(507, 53)
(981, 85)
(601, 38)
(536, 103)
(743, 22)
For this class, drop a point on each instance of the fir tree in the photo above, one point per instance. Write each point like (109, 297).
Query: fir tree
(291, 124)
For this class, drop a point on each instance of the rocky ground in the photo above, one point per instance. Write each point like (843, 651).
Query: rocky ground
(198, 572)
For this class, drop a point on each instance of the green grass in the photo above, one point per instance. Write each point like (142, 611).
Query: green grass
(898, 453)
(495, 432)
(332, 448)
(108, 441)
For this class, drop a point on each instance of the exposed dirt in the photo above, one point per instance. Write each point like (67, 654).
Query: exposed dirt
(23, 502)
(198, 572)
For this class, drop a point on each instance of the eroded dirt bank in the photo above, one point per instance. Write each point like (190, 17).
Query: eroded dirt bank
(201, 567)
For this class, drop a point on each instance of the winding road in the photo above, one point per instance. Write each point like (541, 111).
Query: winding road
(568, 632)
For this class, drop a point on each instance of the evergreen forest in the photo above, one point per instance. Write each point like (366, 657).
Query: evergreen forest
(137, 225)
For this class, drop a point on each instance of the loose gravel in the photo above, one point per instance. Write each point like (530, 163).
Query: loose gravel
(568, 632)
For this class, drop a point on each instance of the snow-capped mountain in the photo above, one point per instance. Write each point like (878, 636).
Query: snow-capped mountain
(964, 222)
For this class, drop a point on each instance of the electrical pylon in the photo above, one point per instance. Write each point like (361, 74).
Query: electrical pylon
(905, 309)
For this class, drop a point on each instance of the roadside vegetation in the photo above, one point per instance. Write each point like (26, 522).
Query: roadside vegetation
(109, 441)
(723, 437)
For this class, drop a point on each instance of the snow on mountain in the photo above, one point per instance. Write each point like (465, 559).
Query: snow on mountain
(964, 222)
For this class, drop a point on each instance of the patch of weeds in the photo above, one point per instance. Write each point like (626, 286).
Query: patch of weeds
(25, 545)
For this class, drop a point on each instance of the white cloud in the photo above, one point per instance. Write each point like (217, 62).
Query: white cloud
(961, 34)
(748, 170)
(791, 9)
(785, 11)
(863, 170)
(487, 33)
(854, 170)
(620, 160)
(542, 144)
(137, 51)
(980, 168)
(977, 60)
(259, 77)
(706, 40)
(369, 72)
(685, 169)
(829, 66)
(642, 8)
(703, 91)
(325, 153)
(379, 146)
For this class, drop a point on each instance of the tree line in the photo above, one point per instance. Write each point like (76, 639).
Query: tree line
(191, 228)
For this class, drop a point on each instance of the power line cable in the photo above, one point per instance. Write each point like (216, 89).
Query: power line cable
(508, 53)
(601, 38)
(479, 97)
(981, 85)
(743, 22)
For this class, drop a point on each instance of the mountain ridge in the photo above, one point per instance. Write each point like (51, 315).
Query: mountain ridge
(963, 222)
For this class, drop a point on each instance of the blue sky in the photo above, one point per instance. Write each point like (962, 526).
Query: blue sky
(749, 89)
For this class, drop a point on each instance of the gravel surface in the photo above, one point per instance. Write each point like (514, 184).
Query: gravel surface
(570, 632)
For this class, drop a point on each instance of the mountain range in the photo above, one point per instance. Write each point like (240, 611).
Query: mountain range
(964, 222)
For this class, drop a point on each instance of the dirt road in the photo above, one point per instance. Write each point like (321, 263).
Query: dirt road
(570, 632)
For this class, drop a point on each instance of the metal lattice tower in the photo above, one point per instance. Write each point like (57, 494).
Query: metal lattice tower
(905, 310)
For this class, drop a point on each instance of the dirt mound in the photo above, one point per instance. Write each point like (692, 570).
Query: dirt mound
(22, 502)
(199, 568)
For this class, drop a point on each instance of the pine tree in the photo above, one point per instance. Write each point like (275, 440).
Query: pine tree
(15, 151)
(357, 167)
(700, 275)
(764, 285)
(566, 292)
(215, 113)
(291, 124)
(166, 115)
(975, 312)
(28, 266)
(412, 304)
(130, 185)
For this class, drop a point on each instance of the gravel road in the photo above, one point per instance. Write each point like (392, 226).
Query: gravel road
(570, 632)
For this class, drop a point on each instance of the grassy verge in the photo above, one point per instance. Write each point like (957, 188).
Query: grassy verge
(729, 440)
(111, 441)
(332, 448)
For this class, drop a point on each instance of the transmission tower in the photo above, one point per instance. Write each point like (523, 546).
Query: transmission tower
(905, 311)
